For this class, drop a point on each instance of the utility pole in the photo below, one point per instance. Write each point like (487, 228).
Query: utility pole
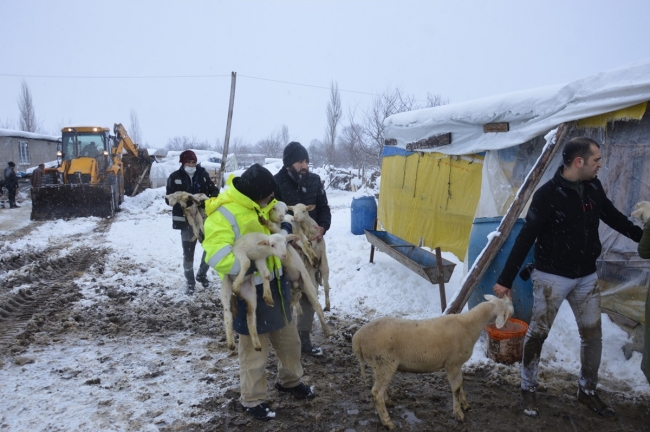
(224, 156)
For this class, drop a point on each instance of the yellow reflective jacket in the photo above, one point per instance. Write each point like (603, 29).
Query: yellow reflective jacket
(230, 216)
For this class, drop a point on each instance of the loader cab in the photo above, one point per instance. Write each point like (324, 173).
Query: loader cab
(84, 142)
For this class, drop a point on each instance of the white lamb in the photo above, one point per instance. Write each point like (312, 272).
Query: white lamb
(389, 345)
(294, 268)
(256, 247)
(318, 267)
(642, 211)
(194, 214)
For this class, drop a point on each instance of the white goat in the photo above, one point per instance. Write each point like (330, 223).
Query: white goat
(295, 269)
(256, 247)
(389, 345)
(318, 267)
(642, 211)
(194, 214)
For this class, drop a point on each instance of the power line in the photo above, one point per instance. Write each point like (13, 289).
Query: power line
(178, 76)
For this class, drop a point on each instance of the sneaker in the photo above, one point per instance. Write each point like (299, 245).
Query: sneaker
(594, 403)
(300, 391)
(529, 402)
(260, 412)
(203, 280)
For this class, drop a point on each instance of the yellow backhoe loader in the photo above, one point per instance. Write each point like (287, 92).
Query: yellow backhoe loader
(95, 170)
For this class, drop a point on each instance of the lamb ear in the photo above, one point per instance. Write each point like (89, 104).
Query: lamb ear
(290, 208)
(290, 237)
(263, 243)
(501, 320)
(489, 297)
(311, 207)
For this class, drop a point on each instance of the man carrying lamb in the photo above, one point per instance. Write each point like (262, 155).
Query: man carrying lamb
(296, 185)
(563, 218)
(243, 208)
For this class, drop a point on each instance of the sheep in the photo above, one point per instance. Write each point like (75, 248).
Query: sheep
(194, 214)
(295, 269)
(642, 211)
(389, 345)
(256, 247)
(307, 228)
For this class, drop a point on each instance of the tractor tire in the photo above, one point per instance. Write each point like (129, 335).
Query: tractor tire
(112, 179)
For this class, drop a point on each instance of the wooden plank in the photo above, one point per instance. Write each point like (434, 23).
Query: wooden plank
(496, 127)
(390, 142)
(441, 280)
(431, 142)
(494, 245)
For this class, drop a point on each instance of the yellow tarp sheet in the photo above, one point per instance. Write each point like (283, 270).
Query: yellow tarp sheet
(635, 112)
(430, 195)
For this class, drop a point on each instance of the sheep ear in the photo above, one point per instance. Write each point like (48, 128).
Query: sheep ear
(290, 208)
(263, 243)
(502, 318)
(290, 237)
(489, 297)
(311, 207)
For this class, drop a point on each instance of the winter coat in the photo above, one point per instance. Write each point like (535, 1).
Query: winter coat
(311, 193)
(11, 179)
(230, 216)
(565, 226)
(180, 181)
(37, 177)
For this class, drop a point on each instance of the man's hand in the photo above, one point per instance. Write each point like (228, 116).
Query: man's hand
(500, 290)
(319, 235)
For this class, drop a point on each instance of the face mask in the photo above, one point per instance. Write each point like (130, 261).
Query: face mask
(190, 170)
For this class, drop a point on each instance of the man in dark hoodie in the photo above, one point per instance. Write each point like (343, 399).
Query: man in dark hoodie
(562, 222)
(297, 185)
(194, 179)
(11, 183)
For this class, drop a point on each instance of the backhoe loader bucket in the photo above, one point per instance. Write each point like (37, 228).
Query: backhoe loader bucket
(74, 200)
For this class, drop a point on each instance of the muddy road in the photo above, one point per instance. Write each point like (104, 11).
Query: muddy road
(143, 357)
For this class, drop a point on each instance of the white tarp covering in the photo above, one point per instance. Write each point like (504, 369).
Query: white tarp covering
(530, 113)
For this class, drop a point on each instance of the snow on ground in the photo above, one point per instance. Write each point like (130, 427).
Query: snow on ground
(170, 372)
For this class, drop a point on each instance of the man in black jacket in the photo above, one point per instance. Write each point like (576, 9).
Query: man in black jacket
(11, 183)
(296, 185)
(194, 179)
(563, 217)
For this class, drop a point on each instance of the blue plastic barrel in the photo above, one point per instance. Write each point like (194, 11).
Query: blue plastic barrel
(522, 291)
(364, 213)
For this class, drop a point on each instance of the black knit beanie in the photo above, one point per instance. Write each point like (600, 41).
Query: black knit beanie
(294, 152)
(256, 182)
(11, 164)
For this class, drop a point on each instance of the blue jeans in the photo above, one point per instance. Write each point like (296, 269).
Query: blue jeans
(549, 291)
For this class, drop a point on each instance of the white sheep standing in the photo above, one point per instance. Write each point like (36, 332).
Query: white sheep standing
(389, 345)
(251, 247)
(192, 210)
(318, 267)
(295, 269)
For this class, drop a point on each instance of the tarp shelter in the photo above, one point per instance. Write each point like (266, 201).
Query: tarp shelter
(444, 166)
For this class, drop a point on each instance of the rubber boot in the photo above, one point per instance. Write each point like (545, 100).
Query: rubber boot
(306, 347)
(202, 274)
(188, 269)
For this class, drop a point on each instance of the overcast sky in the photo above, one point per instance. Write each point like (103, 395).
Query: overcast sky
(92, 62)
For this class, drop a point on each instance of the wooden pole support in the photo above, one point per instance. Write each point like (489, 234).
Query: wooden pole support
(494, 245)
(441, 280)
(231, 105)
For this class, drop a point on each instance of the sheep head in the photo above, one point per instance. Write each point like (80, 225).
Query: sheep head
(642, 211)
(301, 212)
(504, 309)
(278, 212)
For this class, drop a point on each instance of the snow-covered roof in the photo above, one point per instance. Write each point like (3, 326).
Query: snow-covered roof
(529, 113)
(28, 135)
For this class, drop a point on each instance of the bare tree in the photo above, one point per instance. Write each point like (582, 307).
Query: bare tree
(184, 143)
(284, 135)
(388, 103)
(317, 155)
(28, 121)
(273, 145)
(134, 130)
(333, 118)
(239, 146)
(7, 124)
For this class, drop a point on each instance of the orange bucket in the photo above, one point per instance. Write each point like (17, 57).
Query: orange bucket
(506, 345)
